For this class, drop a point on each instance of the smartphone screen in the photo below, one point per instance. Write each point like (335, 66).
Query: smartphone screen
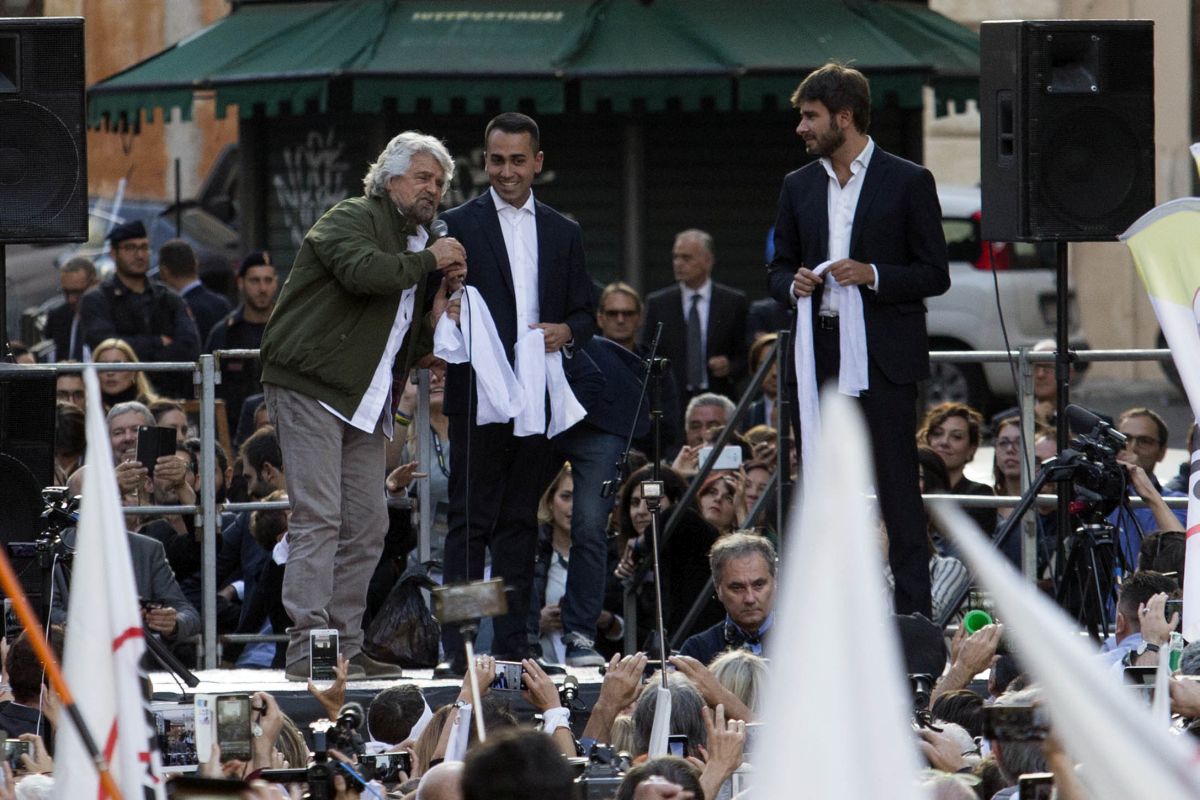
(175, 728)
(677, 745)
(233, 726)
(154, 442)
(510, 676)
(730, 457)
(322, 654)
(1036, 786)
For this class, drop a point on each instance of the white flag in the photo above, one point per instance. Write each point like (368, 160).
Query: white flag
(104, 639)
(1165, 243)
(1126, 751)
(837, 708)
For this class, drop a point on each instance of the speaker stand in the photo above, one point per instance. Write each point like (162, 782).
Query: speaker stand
(1062, 380)
(5, 349)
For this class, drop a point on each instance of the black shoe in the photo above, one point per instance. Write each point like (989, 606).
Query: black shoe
(581, 651)
(449, 669)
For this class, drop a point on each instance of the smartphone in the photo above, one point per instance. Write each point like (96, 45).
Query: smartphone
(224, 718)
(322, 654)
(1141, 680)
(386, 767)
(13, 748)
(1035, 786)
(677, 745)
(12, 626)
(730, 457)
(1173, 607)
(1015, 723)
(175, 729)
(510, 676)
(154, 441)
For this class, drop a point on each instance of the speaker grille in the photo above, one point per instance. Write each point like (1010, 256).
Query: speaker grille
(43, 156)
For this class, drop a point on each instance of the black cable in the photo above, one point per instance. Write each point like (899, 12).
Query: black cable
(1012, 365)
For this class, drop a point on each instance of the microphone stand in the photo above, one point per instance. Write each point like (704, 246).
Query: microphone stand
(652, 381)
(654, 368)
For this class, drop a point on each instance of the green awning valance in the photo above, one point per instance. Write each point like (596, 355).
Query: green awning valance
(554, 56)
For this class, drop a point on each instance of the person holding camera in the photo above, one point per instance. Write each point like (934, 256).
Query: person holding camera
(1143, 626)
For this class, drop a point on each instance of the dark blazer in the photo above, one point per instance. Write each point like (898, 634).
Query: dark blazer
(58, 327)
(726, 333)
(208, 308)
(898, 228)
(564, 288)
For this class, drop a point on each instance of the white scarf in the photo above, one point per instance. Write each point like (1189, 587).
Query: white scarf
(504, 393)
(852, 371)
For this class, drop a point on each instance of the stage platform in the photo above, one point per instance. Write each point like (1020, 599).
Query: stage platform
(302, 707)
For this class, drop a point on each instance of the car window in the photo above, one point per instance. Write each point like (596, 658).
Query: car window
(963, 243)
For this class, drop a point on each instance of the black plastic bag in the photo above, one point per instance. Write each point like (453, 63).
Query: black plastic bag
(404, 631)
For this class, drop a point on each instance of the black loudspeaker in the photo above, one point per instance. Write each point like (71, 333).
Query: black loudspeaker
(43, 149)
(1067, 115)
(27, 419)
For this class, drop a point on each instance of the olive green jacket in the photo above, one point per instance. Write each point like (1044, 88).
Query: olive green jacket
(331, 323)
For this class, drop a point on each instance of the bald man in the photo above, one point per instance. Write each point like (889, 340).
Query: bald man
(441, 782)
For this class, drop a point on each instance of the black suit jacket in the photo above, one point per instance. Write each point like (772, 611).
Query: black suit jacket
(726, 333)
(208, 308)
(58, 327)
(898, 228)
(564, 288)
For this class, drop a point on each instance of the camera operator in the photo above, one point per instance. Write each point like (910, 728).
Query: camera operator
(165, 610)
(1145, 447)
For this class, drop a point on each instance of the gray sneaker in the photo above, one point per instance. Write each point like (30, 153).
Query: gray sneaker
(581, 651)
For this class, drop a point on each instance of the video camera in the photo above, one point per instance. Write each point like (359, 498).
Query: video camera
(341, 735)
(603, 773)
(58, 514)
(1100, 480)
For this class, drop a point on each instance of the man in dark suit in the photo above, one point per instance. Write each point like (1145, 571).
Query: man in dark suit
(526, 261)
(177, 268)
(704, 323)
(62, 323)
(876, 218)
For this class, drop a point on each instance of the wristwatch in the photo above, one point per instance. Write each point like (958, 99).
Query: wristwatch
(1147, 647)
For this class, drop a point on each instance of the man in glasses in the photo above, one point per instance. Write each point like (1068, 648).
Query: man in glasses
(150, 317)
(619, 314)
(1145, 446)
(62, 323)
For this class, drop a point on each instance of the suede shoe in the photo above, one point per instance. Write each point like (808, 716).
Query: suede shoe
(374, 670)
(299, 672)
(581, 651)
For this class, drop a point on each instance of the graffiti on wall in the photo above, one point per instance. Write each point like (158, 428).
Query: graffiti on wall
(314, 178)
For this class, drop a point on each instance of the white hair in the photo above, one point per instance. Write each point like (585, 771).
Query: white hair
(397, 156)
(35, 787)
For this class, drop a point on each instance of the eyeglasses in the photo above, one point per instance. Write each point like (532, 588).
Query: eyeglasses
(66, 396)
(1007, 444)
(124, 247)
(1133, 440)
(618, 313)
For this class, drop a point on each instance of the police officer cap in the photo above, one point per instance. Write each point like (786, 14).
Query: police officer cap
(127, 230)
(260, 258)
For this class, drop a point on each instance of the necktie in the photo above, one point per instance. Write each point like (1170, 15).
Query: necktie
(695, 355)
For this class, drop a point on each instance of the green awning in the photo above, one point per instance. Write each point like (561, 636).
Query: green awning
(556, 56)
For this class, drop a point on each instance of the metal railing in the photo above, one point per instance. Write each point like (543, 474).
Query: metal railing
(207, 376)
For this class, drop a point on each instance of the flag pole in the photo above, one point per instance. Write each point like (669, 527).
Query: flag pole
(24, 611)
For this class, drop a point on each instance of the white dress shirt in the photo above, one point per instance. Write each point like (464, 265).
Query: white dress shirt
(519, 226)
(842, 201)
(373, 399)
(703, 308)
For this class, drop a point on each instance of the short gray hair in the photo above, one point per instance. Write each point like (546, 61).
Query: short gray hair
(397, 156)
(686, 703)
(80, 264)
(703, 237)
(739, 544)
(128, 406)
(711, 399)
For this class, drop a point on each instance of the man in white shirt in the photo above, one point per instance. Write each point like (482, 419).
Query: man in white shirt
(527, 265)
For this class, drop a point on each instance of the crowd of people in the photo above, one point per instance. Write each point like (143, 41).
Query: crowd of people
(536, 379)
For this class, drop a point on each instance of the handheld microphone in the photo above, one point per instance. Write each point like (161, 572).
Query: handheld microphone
(438, 228)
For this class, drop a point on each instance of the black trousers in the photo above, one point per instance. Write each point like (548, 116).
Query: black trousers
(890, 410)
(504, 476)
